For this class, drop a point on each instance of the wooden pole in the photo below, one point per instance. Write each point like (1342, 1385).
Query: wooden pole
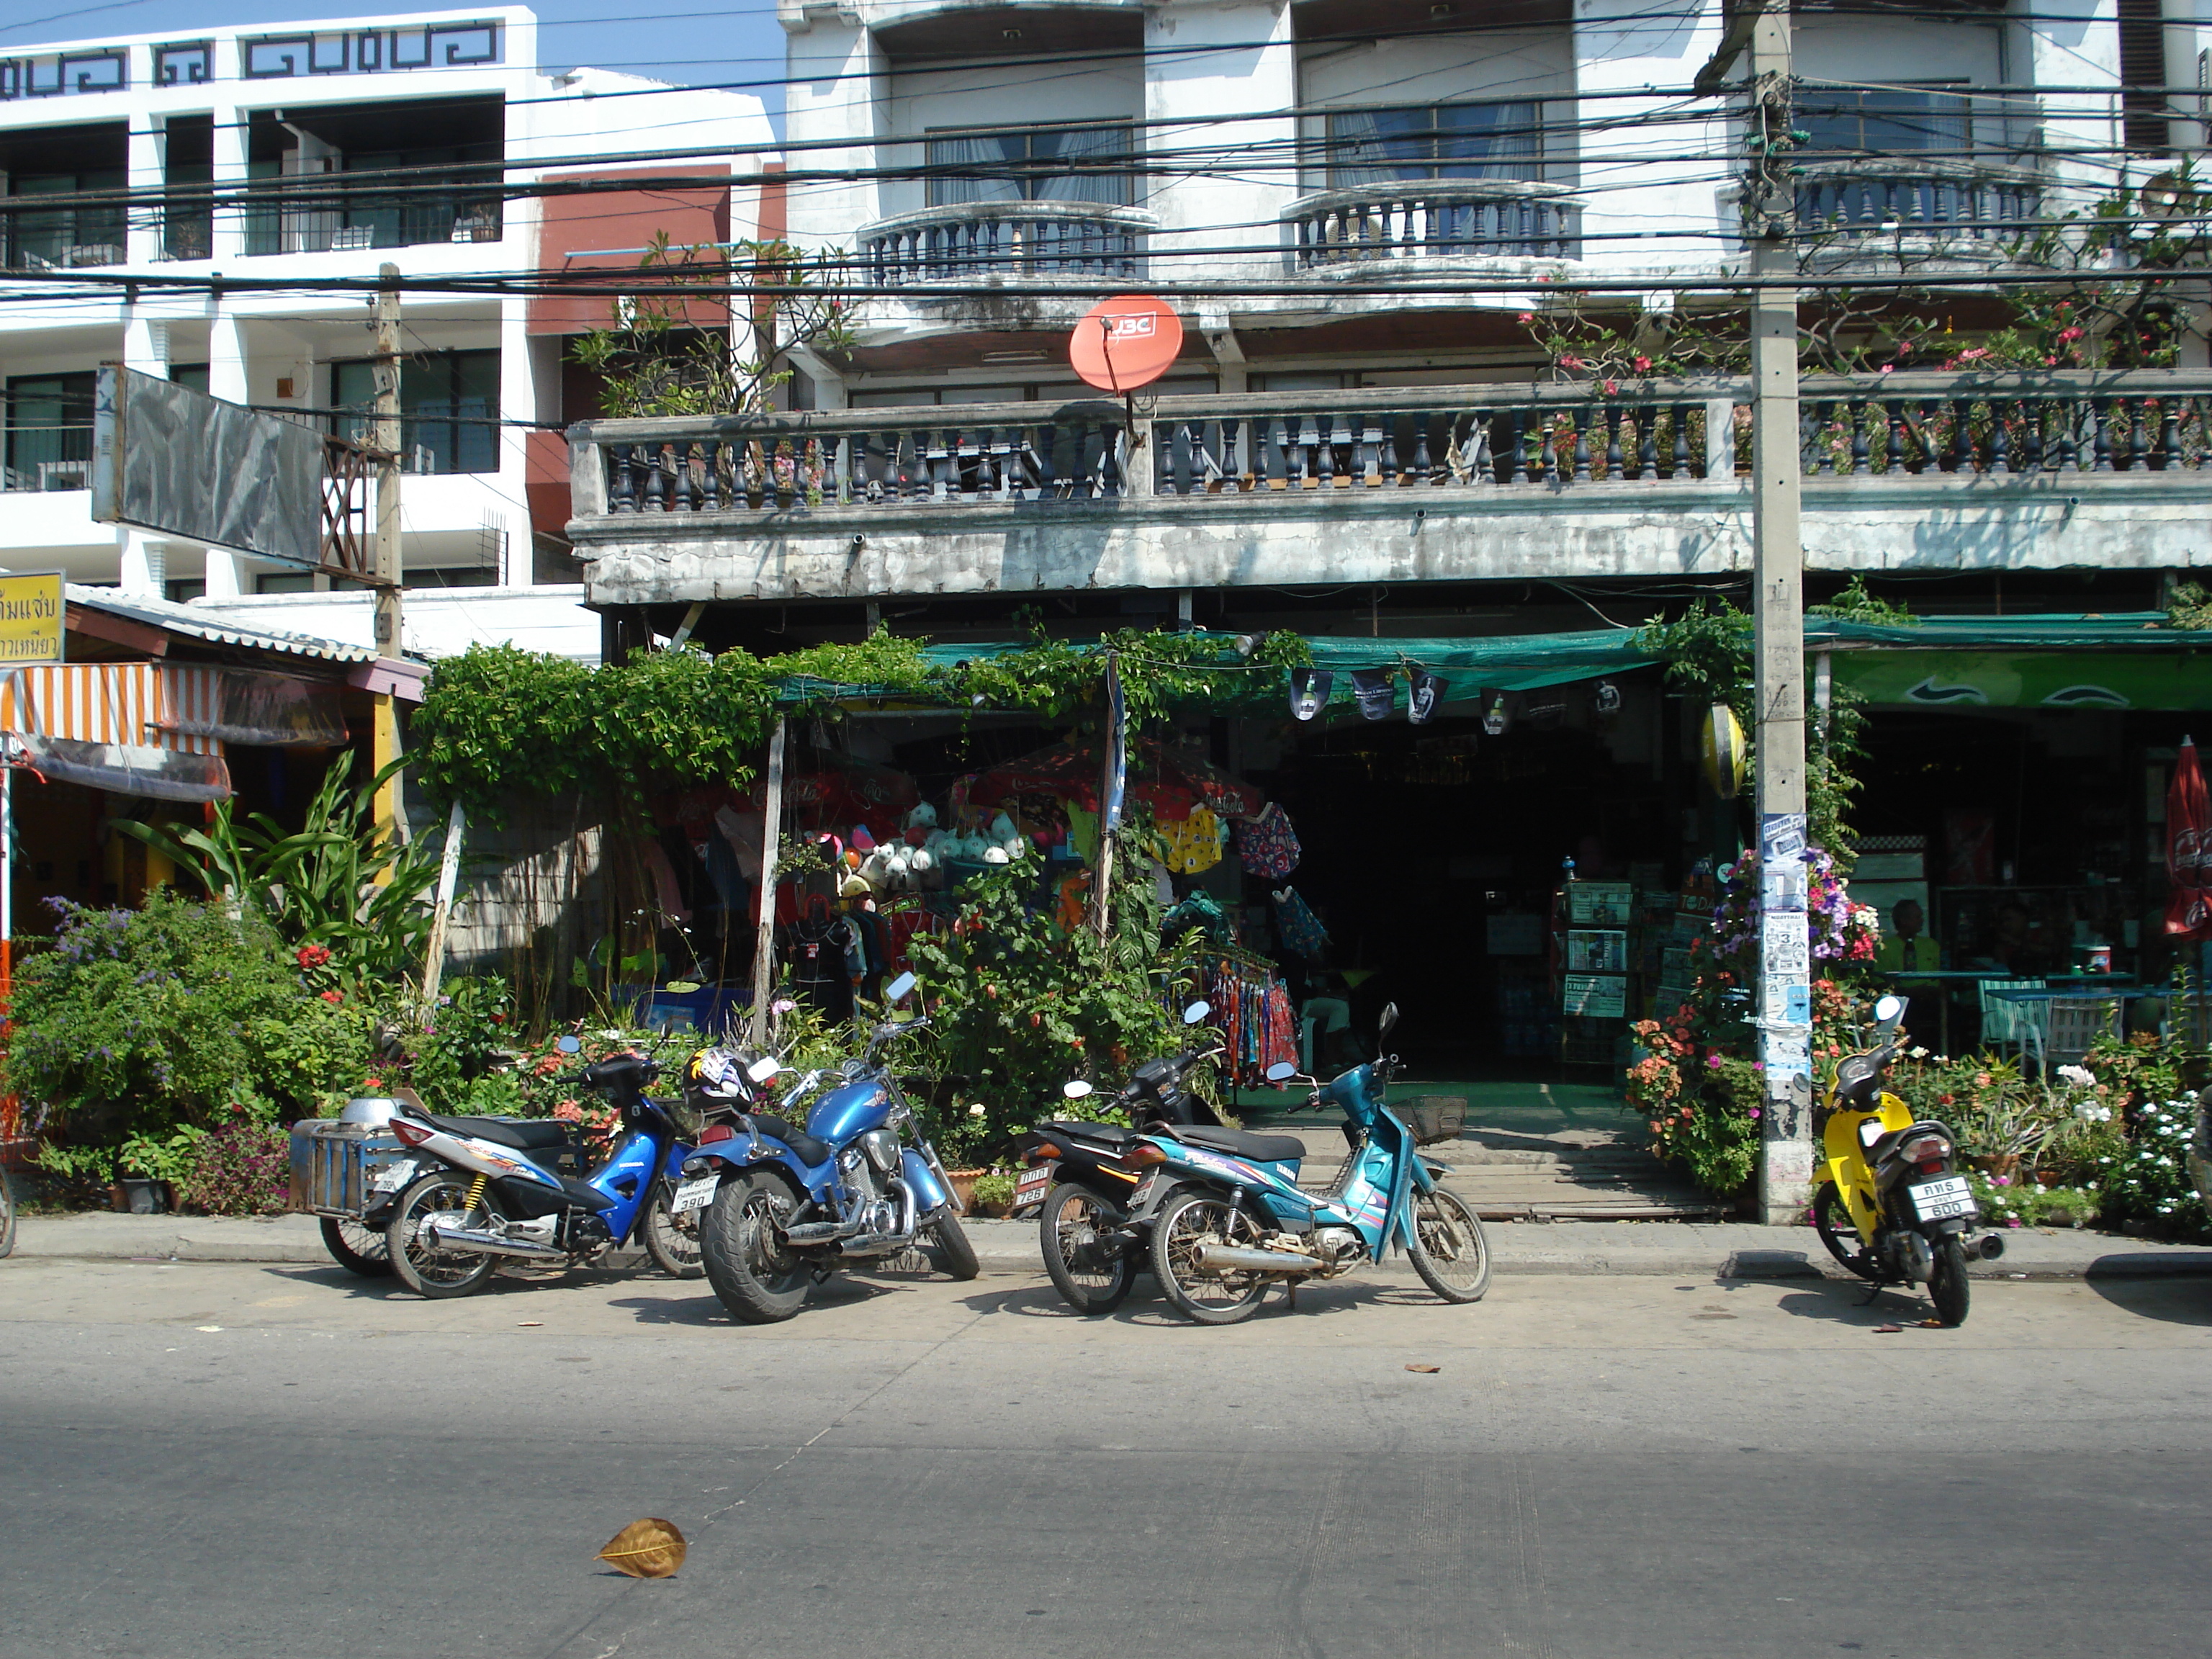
(771, 840)
(386, 436)
(449, 874)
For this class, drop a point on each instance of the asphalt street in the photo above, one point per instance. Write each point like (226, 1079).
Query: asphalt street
(242, 1459)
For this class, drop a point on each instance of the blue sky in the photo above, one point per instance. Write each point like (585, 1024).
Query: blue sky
(692, 41)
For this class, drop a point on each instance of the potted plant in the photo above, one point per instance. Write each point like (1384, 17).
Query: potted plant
(993, 1194)
(151, 1168)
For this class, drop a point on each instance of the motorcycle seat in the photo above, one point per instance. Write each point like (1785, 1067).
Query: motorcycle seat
(524, 1136)
(812, 1152)
(1239, 1143)
(1101, 1134)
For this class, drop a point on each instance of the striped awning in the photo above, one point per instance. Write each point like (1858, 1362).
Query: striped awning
(110, 725)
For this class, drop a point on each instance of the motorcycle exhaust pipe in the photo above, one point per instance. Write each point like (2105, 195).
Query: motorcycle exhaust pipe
(481, 1243)
(1234, 1259)
(1990, 1248)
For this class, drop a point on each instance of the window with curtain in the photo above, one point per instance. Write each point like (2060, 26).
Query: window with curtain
(1020, 165)
(78, 235)
(1886, 121)
(49, 430)
(1504, 140)
(448, 409)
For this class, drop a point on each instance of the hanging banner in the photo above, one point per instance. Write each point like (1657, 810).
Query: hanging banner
(2044, 679)
(1371, 688)
(1114, 784)
(1423, 691)
(33, 618)
(2188, 856)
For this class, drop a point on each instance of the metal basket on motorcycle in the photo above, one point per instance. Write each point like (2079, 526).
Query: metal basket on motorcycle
(1433, 1118)
(336, 1161)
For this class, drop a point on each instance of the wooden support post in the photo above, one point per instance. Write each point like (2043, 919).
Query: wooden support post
(449, 874)
(771, 842)
(387, 436)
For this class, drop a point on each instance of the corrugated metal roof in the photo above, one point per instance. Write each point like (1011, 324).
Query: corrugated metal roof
(197, 624)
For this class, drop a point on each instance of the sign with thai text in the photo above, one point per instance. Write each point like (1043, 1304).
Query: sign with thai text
(32, 614)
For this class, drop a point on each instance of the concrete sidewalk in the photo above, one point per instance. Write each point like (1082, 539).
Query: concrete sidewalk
(1681, 1249)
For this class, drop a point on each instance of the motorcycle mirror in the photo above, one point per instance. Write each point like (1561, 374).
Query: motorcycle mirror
(570, 1045)
(1196, 1011)
(1281, 1071)
(764, 1068)
(898, 988)
(1075, 1089)
(1382, 1027)
(1888, 1012)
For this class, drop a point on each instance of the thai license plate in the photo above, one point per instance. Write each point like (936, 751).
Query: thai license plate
(392, 1177)
(1032, 1187)
(1939, 1200)
(695, 1194)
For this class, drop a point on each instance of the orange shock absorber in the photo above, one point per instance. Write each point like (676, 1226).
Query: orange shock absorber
(476, 1194)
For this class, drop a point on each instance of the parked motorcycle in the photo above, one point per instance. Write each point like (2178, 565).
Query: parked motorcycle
(784, 1206)
(1076, 1183)
(1887, 1200)
(1227, 1220)
(476, 1191)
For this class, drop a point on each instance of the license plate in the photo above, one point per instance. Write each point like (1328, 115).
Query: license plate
(1939, 1200)
(392, 1177)
(1032, 1188)
(695, 1194)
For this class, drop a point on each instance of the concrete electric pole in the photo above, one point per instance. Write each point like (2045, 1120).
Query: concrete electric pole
(385, 435)
(1779, 638)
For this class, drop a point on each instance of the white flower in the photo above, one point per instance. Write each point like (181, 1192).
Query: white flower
(1917, 1054)
(2079, 1076)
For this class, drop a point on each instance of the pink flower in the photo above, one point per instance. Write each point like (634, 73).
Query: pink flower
(1714, 1061)
(1526, 318)
(2068, 335)
(1754, 1111)
(1612, 388)
(1642, 365)
(1571, 362)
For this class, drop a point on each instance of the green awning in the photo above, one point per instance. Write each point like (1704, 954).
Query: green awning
(2127, 660)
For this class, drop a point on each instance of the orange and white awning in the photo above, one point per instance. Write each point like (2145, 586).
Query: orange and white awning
(110, 725)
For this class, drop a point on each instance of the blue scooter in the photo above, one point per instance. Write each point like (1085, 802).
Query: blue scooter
(1227, 1220)
(478, 1191)
(784, 1208)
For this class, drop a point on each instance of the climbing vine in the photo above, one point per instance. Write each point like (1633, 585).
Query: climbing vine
(497, 721)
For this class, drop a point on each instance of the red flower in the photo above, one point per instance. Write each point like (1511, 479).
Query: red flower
(331, 996)
(312, 955)
(1643, 365)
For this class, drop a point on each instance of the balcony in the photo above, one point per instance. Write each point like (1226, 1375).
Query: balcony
(981, 242)
(1433, 483)
(1963, 208)
(1429, 219)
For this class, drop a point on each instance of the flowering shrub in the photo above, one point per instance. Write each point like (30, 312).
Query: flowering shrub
(243, 1168)
(2147, 1182)
(2019, 1201)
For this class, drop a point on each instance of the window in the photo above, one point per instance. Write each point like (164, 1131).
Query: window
(1892, 121)
(192, 376)
(1070, 166)
(1435, 141)
(448, 409)
(184, 589)
(50, 431)
(64, 236)
(285, 582)
(473, 575)
(2143, 71)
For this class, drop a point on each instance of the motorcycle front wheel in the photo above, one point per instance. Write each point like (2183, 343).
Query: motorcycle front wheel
(1449, 1249)
(423, 1268)
(950, 1249)
(672, 1240)
(1947, 1285)
(1093, 1273)
(754, 1274)
(1832, 1220)
(1187, 1223)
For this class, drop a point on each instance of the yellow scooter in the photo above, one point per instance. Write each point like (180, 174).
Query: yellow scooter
(1887, 1199)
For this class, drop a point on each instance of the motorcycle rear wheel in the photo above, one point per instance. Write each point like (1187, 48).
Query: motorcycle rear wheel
(754, 1274)
(1947, 1284)
(426, 1271)
(671, 1240)
(1831, 1219)
(1449, 1249)
(1187, 1223)
(1093, 1275)
(357, 1249)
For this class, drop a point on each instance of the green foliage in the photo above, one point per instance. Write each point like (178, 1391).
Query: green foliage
(993, 1192)
(497, 721)
(2020, 1201)
(1018, 1007)
(350, 897)
(83, 1174)
(156, 1159)
(2148, 1182)
(146, 1022)
(2190, 605)
(244, 1167)
(657, 361)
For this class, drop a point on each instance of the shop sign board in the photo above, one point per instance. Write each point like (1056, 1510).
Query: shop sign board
(1597, 996)
(33, 618)
(2041, 679)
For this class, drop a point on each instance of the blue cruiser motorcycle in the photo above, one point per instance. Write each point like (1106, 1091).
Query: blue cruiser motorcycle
(1226, 1218)
(784, 1206)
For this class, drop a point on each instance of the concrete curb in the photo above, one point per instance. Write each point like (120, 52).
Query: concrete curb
(1669, 1250)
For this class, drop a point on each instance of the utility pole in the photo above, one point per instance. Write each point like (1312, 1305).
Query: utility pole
(1778, 637)
(384, 438)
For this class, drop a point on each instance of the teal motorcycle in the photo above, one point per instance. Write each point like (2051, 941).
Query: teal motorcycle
(1225, 1218)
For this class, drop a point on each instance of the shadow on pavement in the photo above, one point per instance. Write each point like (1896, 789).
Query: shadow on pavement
(1146, 1306)
(2175, 1300)
(1844, 1302)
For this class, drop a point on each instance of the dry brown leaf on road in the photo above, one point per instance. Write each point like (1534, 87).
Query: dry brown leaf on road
(1430, 1369)
(651, 1548)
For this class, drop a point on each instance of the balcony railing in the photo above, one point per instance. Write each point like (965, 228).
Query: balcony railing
(334, 221)
(66, 465)
(978, 240)
(1918, 198)
(1435, 219)
(1315, 447)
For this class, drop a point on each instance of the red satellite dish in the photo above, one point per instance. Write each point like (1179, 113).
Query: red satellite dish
(1126, 342)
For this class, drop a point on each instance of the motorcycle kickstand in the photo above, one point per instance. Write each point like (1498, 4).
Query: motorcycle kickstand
(1873, 1294)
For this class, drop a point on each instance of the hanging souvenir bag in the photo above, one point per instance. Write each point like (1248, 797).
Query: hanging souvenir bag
(1268, 845)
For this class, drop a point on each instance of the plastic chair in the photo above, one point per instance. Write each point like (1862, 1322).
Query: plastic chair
(2077, 1022)
(2019, 1025)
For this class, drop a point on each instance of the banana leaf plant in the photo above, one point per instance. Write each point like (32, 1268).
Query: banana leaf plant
(338, 885)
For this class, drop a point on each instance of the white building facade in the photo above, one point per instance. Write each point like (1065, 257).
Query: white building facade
(186, 160)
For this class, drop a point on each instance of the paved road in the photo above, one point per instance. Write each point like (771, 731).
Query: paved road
(241, 1461)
